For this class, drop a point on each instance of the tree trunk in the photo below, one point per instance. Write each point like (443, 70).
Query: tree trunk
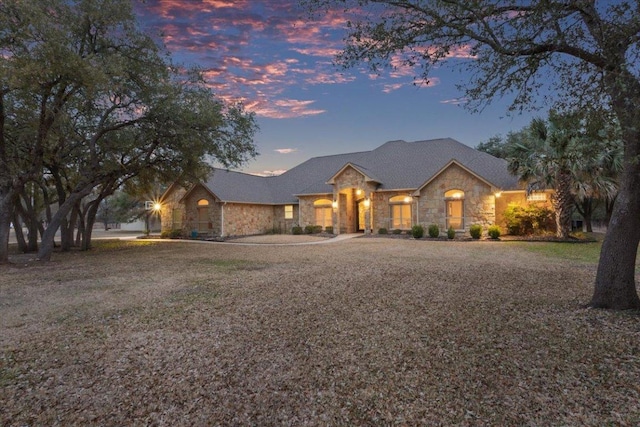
(92, 210)
(615, 286)
(17, 229)
(6, 207)
(563, 202)
(47, 244)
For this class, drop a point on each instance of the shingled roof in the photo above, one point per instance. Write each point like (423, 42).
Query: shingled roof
(394, 165)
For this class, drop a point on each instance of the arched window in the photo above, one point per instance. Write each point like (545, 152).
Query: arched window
(323, 209)
(400, 212)
(454, 199)
(203, 216)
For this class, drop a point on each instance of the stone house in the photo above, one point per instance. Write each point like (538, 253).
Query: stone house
(394, 186)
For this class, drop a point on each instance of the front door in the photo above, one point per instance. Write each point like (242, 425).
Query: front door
(360, 218)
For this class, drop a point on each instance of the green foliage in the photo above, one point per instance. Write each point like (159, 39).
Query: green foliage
(312, 229)
(476, 231)
(451, 233)
(296, 230)
(328, 229)
(494, 146)
(494, 232)
(417, 231)
(383, 231)
(434, 231)
(527, 220)
(397, 231)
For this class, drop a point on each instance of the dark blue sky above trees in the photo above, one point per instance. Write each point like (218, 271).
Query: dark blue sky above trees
(268, 55)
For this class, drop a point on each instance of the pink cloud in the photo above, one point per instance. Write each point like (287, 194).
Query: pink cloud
(285, 150)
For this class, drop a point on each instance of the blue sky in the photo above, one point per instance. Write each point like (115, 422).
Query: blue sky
(269, 56)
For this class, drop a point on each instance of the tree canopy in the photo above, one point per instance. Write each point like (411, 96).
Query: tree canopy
(573, 55)
(88, 102)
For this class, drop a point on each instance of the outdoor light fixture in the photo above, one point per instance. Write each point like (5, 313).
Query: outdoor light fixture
(334, 204)
(367, 203)
(358, 192)
(407, 199)
(498, 194)
(157, 207)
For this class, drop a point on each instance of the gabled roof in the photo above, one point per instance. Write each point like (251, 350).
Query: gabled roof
(368, 175)
(393, 165)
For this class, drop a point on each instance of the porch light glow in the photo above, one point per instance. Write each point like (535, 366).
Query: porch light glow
(157, 207)
(334, 204)
(367, 203)
(358, 192)
(407, 199)
(498, 194)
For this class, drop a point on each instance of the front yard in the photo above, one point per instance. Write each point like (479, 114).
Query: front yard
(362, 332)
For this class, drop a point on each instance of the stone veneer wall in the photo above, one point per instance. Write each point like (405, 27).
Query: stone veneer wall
(307, 210)
(190, 219)
(381, 209)
(170, 202)
(479, 201)
(282, 225)
(345, 185)
(245, 219)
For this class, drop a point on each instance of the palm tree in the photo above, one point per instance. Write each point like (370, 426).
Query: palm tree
(551, 154)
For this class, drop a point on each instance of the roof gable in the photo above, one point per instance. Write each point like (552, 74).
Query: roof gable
(368, 176)
(461, 166)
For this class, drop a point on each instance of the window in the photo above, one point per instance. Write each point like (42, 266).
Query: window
(203, 216)
(537, 197)
(454, 200)
(176, 219)
(323, 212)
(400, 212)
(288, 212)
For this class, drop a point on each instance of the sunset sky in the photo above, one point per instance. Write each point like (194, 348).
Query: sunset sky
(267, 54)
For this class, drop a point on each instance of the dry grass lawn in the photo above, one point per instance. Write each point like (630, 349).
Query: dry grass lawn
(360, 332)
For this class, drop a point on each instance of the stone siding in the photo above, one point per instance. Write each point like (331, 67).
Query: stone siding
(191, 225)
(345, 189)
(479, 200)
(381, 209)
(170, 202)
(282, 225)
(245, 219)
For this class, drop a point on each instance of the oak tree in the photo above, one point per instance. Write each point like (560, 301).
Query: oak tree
(575, 54)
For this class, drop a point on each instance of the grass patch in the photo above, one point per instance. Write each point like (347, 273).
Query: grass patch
(584, 252)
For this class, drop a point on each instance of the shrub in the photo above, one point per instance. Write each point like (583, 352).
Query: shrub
(434, 231)
(527, 220)
(316, 229)
(494, 232)
(308, 229)
(397, 231)
(383, 231)
(328, 230)
(451, 233)
(417, 231)
(296, 230)
(476, 231)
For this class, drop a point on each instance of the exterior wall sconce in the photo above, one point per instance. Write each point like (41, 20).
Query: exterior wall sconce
(334, 205)
(498, 194)
(367, 203)
(358, 192)
(407, 199)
